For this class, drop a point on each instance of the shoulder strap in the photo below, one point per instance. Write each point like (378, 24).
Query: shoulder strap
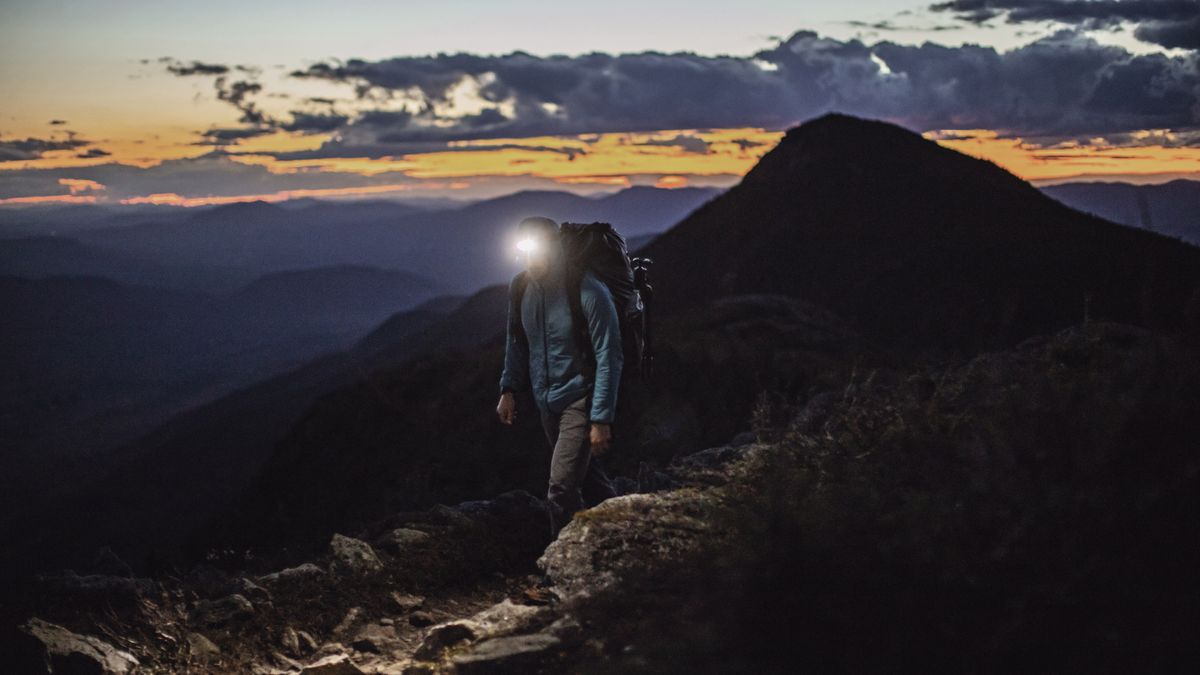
(516, 294)
(579, 324)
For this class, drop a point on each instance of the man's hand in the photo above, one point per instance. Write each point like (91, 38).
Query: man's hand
(507, 408)
(601, 438)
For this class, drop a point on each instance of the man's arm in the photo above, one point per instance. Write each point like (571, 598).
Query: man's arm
(605, 330)
(516, 351)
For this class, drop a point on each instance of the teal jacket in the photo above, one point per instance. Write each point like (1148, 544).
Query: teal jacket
(550, 360)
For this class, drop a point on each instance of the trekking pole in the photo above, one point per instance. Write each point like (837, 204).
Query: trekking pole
(641, 274)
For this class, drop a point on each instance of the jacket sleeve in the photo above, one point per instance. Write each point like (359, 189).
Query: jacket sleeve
(605, 329)
(516, 351)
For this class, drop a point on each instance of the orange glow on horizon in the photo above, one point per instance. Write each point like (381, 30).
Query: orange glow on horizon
(677, 157)
(173, 199)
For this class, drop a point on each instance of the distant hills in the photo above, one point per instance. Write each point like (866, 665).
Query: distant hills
(1171, 208)
(462, 248)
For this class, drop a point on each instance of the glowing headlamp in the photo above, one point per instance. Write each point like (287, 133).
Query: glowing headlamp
(529, 245)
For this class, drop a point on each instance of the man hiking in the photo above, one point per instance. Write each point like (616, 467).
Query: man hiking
(576, 401)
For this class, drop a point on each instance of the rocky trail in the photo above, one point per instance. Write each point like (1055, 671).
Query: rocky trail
(442, 590)
(899, 521)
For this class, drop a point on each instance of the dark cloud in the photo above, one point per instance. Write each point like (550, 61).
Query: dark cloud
(747, 143)
(1169, 23)
(237, 93)
(94, 152)
(311, 123)
(681, 141)
(194, 68)
(221, 136)
(886, 24)
(1062, 85)
(57, 122)
(15, 150)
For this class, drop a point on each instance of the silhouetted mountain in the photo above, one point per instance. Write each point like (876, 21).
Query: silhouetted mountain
(918, 245)
(1171, 208)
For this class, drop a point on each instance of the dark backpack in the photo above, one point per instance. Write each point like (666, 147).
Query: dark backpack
(599, 248)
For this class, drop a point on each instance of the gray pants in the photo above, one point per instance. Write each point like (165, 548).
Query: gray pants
(576, 478)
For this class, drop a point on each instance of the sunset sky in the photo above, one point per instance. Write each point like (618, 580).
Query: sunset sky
(197, 103)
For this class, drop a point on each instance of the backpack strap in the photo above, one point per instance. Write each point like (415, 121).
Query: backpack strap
(515, 295)
(579, 324)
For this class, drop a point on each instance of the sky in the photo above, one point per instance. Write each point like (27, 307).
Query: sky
(130, 102)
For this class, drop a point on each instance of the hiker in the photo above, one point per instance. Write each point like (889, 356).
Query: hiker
(576, 396)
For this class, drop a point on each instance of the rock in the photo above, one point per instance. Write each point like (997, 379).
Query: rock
(308, 645)
(305, 571)
(54, 649)
(202, 649)
(401, 539)
(420, 619)
(376, 638)
(352, 556)
(407, 603)
(214, 613)
(503, 617)
(250, 590)
(347, 621)
(441, 637)
(336, 664)
(631, 538)
(512, 654)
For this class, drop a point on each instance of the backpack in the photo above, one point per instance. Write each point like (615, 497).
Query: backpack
(599, 248)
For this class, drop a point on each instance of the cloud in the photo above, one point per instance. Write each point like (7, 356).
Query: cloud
(1168, 23)
(684, 142)
(194, 68)
(1062, 85)
(237, 93)
(15, 150)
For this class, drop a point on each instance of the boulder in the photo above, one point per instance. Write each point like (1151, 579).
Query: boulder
(401, 539)
(441, 637)
(376, 638)
(50, 648)
(511, 654)
(502, 618)
(352, 556)
(629, 540)
(305, 571)
(215, 613)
